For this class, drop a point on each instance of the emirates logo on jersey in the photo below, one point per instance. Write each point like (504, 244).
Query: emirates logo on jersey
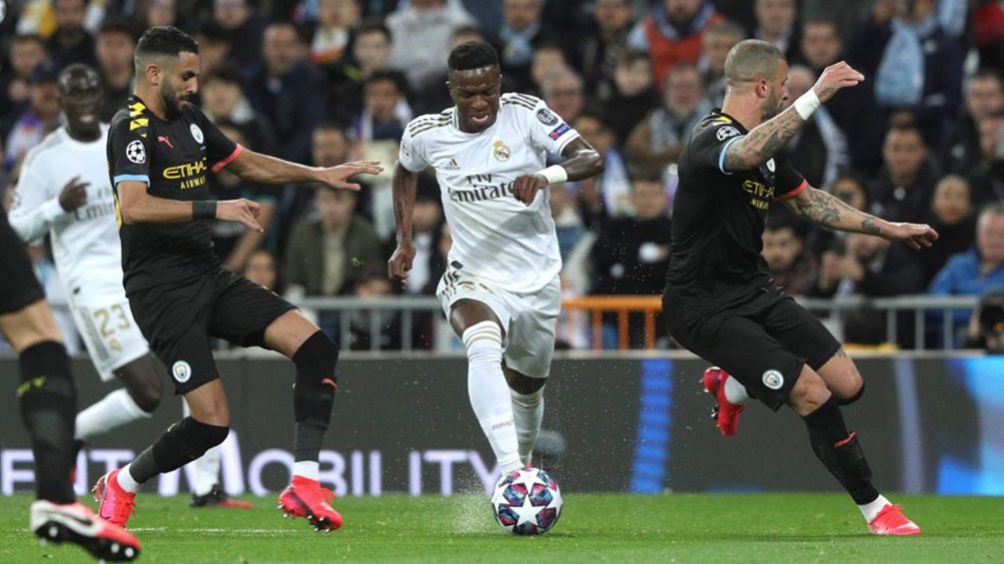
(501, 152)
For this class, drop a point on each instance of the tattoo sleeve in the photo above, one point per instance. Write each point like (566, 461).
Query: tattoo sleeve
(764, 141)
(823, 209)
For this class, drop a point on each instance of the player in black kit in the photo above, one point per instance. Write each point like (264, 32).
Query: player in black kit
(720, 302)
(160, 149)
(47, 396)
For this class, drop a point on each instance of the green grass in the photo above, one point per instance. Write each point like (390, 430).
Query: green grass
(616, 528)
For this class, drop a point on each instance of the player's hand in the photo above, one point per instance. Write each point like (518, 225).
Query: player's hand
(399, 265)
(242, 211)
(834, 77)
(916, 236)
(74, 194)
(338, 176)
(525, 187)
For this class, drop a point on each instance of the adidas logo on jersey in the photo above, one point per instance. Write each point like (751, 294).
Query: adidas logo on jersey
(452, 164)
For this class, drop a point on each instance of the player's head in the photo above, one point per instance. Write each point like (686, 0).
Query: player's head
(757, 69)
(167, 62)
(80, 99)
(474, 83)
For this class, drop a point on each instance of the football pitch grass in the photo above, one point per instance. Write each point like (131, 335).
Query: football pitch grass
(615, 528)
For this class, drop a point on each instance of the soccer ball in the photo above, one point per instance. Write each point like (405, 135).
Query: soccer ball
(526, 502)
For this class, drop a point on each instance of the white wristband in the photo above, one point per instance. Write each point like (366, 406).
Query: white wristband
(806, 104)
(555, 174)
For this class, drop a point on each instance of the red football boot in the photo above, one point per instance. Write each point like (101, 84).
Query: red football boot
(306, 498)
(891, 522)
(115, 505)
(726, 414)
(76, 523)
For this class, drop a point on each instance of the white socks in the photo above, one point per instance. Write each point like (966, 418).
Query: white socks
(528, 412)
(735, 392)
(307, 469)
(126, 481)
(871, 510)
(489, 392)
(117, 408)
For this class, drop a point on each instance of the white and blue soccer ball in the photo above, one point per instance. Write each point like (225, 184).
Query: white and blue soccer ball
(526, 502)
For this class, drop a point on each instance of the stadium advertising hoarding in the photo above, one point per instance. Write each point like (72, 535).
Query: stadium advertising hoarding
(928, 425)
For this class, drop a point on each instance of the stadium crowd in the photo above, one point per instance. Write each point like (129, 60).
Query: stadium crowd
(327, 81)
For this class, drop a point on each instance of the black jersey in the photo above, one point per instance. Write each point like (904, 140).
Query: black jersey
(718, 216)
(174, 159)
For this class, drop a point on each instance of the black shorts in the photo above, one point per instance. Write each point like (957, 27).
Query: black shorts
(19, 287)
(763, 343)
(178, 320)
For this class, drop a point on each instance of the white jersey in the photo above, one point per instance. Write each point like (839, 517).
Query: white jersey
(495, 236)
(85, 242)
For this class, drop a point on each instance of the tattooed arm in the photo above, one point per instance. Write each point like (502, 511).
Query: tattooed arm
(766, 139)
(828, 211)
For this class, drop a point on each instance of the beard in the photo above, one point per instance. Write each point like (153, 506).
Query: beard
(771, 107)
(172, 104)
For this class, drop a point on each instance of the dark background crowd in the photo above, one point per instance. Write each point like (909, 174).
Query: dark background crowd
(326, 81)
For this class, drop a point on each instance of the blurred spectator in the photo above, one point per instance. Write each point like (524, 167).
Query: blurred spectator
(223, 99)
(521, 31)
(287, 90)
(906, 183)
(336, 21)
(548, 59)
(329, 253)
(567, 222)
(214, 46)
(718, 41)
(791, 266)
(986, 324)
(630, 96)
(775, 24)
(988, 33)
(385, 112)
(659, 139)
(262, 269)
(370, 53)
(673, 33)
(984, 99)
(26, 52)
(853, 109)
(632, 253)
(153, 13)
(987, 177)
(41, 117)
(362, 322)
(609, 194)
(952, 217)
(974, 271)
(71, 43)
(562, 92)
(598, 54)
(114, 48)
(232, 241)
(846, 15)
(329, 145)
(244, 29)
(819, 150)
(427, 218)
(913, 64)
(422, 32)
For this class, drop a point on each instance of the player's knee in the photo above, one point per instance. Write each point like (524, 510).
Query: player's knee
(143, 382)
(524, 385)
(855, 393)
(317, 350)
(146, 395)
(191, 438)
(809, 393)
(483, 342)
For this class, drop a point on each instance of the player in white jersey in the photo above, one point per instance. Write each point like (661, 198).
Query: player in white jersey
(64, 190)
(500, 291)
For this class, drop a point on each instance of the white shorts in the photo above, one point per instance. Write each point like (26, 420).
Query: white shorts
(110, 333)
(529, 319)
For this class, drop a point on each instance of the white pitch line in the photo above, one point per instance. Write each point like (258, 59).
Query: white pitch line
(239, 531)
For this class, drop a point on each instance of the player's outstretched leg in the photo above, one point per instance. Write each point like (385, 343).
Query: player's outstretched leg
(839, 450)
(183, 442)
(730, 399)
(206, 490)
(315, 357)
(527, 410)
(489, 394)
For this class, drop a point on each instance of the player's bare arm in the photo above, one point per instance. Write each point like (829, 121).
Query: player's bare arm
(137, 206)
(259, 167)
(822, 208)
(581, 161)
(766, 139)
(405, 184)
